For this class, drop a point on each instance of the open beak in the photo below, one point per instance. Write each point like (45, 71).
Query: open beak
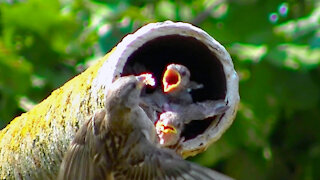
(171, 80)
(160, 126)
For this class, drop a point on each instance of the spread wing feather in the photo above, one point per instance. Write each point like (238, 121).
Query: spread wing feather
(94, 155)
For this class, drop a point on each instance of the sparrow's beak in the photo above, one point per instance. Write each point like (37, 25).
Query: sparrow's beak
(160, 126)
(145, 79)
(171, 80)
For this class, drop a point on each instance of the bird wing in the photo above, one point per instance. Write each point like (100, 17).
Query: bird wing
(97, 154)
(150, 162)
(78, 163)
(203, 110)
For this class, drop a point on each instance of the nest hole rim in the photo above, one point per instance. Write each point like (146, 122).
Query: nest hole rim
(184, 49)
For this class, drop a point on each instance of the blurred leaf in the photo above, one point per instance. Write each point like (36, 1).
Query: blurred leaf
(296, 56)
(248, 52)
(109, 35)
(295, 29)
(275, 134)
(165, 10)
(15, 73)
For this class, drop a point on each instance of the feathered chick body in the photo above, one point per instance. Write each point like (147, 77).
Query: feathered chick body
(119, 142)
(175, 89)
(180, 109)
(177, 85)
(172, 122)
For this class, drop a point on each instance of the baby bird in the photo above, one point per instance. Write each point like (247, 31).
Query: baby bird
(176, 90)
(177, 85)
(120, 142)
(171, 123)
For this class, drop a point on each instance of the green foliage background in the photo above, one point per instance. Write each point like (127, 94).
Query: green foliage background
(276, 134)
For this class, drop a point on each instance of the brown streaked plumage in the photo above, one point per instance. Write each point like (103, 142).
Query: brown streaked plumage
(119, 142)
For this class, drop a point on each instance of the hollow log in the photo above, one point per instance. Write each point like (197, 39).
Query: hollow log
(33, 144)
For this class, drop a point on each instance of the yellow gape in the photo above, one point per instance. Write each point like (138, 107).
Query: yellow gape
(165, 128)
(171, 80)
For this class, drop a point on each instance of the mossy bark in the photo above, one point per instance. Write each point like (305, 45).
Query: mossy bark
(33, 144)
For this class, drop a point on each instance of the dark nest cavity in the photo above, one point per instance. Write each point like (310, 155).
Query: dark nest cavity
(204, 66)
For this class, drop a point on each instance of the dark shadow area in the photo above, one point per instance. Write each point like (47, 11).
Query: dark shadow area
(204, 67)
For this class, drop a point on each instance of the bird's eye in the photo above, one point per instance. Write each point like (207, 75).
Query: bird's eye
(183, 73)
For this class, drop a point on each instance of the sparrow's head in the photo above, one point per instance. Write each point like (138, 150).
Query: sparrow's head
(126, 90)
(169, 128)
(175, 78)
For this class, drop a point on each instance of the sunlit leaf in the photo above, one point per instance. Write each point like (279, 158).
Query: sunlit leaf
(298, 28)
(248, 52)
(296, 56)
